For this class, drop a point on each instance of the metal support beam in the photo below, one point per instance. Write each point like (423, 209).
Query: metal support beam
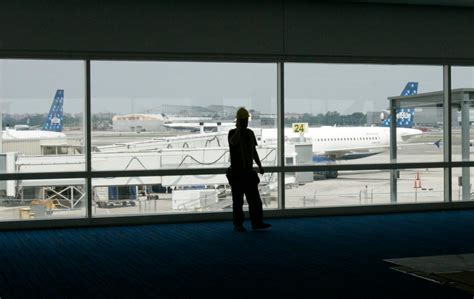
(88, 147)
(448, 186)
(281, 131)
(393, 150)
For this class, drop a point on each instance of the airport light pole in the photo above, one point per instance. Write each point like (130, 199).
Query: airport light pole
(465, 136)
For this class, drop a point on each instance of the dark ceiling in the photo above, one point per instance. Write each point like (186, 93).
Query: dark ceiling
(462, 3)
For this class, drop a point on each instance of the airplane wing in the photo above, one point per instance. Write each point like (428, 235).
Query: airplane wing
(353, 153)
(182, 125)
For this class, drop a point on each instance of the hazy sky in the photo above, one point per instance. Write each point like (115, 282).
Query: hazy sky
(120, 87)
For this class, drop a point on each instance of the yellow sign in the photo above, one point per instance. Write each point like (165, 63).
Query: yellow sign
(299, 127)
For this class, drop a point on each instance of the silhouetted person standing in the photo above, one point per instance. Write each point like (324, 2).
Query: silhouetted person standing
(242, 178)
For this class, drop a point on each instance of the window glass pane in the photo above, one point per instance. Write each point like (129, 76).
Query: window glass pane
(361, 187)
(342, 111)
(42, 199)
(351, 188)
(172, 194)
(420, 185)
(42, 111)
(156, 115)
(462, 100)
(462, 177)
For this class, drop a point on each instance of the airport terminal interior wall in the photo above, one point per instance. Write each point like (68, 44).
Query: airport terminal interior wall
(274, 28)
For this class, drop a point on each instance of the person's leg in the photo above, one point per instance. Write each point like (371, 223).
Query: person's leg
(255, 203)
(237, 204)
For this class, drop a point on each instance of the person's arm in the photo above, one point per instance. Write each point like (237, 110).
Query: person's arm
(256, 157)
(257, 160)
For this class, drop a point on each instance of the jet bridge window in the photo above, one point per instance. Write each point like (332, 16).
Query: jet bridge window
(55, 150)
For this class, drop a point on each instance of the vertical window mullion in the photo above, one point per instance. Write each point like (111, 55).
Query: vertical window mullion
(393, 150)
(281, 132)
(88, 151)
(447, 132)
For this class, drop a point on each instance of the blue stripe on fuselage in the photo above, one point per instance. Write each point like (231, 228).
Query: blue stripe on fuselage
(350, 156)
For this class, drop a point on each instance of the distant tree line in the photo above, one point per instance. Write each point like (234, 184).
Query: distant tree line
(103, 121)
(330, 118)
(99, 120)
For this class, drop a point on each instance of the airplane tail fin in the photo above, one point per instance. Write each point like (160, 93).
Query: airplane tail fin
(405, 116)
(54, 120)
(410, 89)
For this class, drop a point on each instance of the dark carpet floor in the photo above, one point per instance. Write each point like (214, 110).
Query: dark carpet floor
(320, 257)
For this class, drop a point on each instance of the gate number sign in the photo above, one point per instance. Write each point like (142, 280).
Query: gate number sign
(299, 127)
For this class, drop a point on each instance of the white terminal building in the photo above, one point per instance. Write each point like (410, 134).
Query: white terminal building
(138, 122)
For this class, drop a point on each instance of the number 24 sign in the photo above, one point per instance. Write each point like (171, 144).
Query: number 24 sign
(300, 127)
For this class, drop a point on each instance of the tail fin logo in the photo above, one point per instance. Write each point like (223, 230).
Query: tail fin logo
(404, 118)
(54, 121)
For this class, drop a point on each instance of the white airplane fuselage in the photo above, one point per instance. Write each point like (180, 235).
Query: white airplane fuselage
(337, 141)
(12, 134)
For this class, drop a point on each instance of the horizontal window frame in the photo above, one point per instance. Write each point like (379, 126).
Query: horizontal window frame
(221, 170)
(227, 216)
(229, 57)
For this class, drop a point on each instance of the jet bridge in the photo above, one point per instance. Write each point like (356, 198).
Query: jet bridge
(180, 152)
(217, 139)
(168, 158)
(462, 101)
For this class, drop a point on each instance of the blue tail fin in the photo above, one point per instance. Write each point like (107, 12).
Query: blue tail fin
(410, 89)
(405, 116)
(54, 121)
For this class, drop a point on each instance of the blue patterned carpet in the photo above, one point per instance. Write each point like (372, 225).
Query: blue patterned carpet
(325, 257)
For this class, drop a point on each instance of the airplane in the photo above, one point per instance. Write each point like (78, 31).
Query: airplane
(201, 126)
(52, 126)
(331, 143)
